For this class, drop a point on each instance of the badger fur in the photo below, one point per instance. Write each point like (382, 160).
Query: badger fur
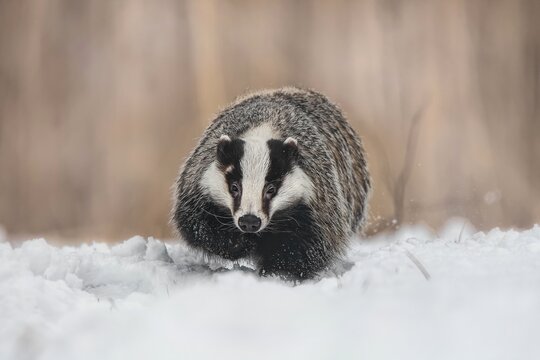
(279, 177)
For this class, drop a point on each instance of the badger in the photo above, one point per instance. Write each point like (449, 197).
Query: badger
(278, 177)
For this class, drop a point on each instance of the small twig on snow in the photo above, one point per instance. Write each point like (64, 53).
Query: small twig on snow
(418, 264)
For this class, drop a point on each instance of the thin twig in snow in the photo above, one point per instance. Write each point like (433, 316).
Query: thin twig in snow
(461, 232)
(418, 264)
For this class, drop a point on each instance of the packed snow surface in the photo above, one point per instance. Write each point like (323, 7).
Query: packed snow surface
(415, 294)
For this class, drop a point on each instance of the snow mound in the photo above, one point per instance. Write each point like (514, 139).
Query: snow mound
(414, 294)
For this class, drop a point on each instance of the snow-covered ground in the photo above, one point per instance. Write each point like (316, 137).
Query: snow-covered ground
(412, 295)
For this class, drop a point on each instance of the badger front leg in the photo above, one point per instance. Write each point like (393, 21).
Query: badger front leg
(292, 257)
(213, 231)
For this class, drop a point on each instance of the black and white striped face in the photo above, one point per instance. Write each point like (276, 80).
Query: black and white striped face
(255, 176)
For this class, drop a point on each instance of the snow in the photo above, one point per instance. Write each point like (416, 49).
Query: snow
(414, 294)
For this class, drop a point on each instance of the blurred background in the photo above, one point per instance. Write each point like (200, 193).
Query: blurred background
(100, 101)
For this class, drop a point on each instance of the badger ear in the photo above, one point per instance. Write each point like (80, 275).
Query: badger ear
(223, 149)
(290, 147)
(290, 141)
(224, 138)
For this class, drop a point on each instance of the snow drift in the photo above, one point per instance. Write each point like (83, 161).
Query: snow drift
(412, 295)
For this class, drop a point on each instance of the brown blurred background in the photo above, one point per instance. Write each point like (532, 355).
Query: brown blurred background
(101, 100)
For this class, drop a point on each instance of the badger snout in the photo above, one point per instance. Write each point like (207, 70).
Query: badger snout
(249, 223)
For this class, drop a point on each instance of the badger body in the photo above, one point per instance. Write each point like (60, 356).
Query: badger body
(279, 177)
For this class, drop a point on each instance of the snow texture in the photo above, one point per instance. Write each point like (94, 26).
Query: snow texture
(414, 294)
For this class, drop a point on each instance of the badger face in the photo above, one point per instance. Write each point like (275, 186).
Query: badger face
(255, 176)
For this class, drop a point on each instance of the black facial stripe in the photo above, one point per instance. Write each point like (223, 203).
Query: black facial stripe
(282, 159)
(229, 153)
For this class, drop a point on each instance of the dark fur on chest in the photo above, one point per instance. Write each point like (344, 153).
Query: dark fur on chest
(211, 228)
(290, 246)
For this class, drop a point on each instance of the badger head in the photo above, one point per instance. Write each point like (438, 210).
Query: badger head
(255, 177)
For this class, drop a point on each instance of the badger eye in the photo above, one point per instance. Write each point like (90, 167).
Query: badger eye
(234, 189)
(270, 191)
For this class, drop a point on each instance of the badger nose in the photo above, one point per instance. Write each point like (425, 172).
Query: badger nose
(249, 223)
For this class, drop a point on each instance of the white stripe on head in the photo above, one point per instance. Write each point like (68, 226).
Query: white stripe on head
(296, 186)
(255, 165)
(214, 184)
